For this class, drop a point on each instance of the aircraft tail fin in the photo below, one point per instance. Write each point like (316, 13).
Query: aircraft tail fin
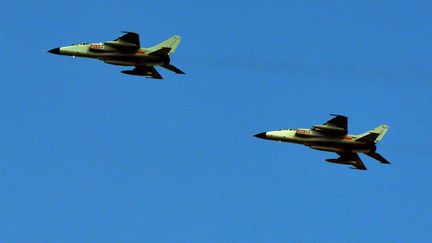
(166, 47)
(374, 135)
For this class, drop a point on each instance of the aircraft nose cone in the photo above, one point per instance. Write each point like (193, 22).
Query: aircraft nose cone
(55, 51)
(261, 135)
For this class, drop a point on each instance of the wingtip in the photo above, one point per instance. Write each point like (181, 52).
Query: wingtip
(126, 32)
(337, 115)
(355, 168)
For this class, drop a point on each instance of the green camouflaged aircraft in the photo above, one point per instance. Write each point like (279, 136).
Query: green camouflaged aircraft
(126, 51)
(333, 136)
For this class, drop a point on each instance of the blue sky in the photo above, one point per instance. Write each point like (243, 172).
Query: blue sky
(88, 154)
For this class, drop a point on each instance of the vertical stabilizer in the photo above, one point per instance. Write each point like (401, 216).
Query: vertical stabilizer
(374, 135)
(166, 47)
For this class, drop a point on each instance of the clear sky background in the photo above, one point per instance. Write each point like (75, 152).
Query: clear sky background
(88, 154)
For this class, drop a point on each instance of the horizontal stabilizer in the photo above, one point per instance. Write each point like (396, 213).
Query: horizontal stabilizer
(172, 68)
(378, 157)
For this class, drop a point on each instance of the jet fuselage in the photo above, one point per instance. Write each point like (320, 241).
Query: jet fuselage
(126, 51)
(112, 55)
(318, 140)
(332, 136)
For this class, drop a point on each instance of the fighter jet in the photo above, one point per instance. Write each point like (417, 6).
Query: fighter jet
(126, 51)
(333, 136)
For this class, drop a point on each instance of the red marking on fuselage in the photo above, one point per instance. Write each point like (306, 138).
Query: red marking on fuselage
(96, 46)
(303, 131)
(347, 138)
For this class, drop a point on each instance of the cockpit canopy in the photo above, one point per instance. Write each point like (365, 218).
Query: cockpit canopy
(84, 43)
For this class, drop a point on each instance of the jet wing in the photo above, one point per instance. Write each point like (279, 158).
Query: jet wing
(337, 126)
(127, 42)
(144, 71)
(353, 159)
(153, 73)
(130, 37)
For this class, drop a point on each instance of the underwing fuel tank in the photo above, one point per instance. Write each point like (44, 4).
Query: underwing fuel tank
(343, 162)
(328, 148)
(132, 72)
(120, 63)
(155, 63)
